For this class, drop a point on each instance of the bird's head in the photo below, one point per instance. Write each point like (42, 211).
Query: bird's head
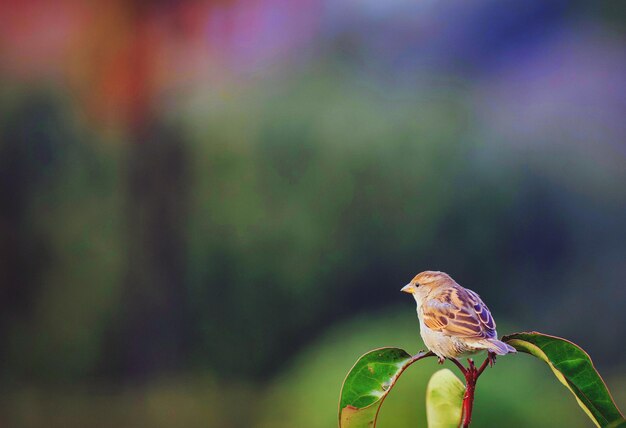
(427, 280)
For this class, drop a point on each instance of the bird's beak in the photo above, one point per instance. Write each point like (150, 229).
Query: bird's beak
(409, 288)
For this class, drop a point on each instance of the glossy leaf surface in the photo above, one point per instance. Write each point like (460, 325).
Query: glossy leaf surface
(368, 383)
(574, 369)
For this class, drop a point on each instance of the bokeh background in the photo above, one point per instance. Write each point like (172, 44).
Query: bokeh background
(207, 208)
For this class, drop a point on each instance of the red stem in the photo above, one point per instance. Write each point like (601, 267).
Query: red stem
(468, 399)
(471, 377)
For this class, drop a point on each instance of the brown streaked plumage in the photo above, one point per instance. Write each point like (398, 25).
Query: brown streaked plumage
(454, 321)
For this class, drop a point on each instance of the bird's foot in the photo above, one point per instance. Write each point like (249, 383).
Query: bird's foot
(492, 358)
(440, 360)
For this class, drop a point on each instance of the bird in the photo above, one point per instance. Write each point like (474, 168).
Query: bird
(454, 321)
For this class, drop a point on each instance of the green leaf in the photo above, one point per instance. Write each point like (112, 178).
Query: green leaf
(368, 383)
(444, 400)
(574, 369)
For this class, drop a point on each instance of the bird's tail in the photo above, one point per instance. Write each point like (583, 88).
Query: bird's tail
(499, 347)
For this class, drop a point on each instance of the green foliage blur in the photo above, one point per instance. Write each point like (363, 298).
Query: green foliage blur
(282, 242)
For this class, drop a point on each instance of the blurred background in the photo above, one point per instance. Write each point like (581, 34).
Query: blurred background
(208, 208)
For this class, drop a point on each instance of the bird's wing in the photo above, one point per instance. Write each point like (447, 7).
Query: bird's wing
(459, 312)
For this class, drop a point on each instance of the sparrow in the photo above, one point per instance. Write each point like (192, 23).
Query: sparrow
(454, 321)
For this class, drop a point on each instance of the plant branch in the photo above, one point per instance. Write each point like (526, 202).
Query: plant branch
(471, 377)
(459, 365)
(419, 356)
(484, 366)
